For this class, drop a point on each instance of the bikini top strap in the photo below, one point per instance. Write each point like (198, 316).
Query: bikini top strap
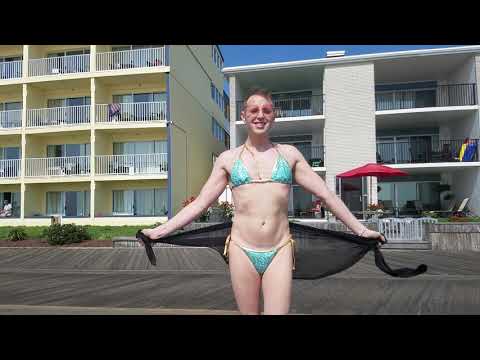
(275, 146)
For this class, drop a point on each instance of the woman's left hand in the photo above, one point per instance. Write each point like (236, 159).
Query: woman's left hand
(373, 235)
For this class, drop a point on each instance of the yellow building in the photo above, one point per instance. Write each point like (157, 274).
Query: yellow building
(107, 134)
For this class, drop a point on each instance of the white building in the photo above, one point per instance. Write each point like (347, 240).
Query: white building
(411, 110)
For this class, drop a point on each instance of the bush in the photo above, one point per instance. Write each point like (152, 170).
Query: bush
(431, 214)
(227, 208)
(58, 234)
(17, 234)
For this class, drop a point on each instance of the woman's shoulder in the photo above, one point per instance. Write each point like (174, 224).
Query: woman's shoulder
(286, 148)
(228, 155)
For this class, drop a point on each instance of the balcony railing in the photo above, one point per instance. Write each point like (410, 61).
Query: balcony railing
(10, 119)
(126, 112)
(314, 154)
(140, 164)
(128, 59)
(443, 95)
(59, 65)
(424, 151)
(9, 168)
(59, 116)
(11, 69)
(293, 106)
(57, 166)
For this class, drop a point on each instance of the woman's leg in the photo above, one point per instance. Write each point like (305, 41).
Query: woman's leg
(245, 281)
(277, 283)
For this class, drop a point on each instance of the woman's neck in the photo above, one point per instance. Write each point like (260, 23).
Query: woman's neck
(260, 143)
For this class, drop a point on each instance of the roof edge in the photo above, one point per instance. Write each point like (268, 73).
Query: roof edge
(351, 59)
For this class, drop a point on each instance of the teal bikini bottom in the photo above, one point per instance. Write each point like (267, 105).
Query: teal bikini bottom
(262, 259)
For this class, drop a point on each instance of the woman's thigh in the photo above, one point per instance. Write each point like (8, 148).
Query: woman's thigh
(245, 281)
(277, 283)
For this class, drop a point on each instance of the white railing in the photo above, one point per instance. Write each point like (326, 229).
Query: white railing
(403, 229)
(59, 65)
(131, 164)
(128, 59)
(11, 69)
(10, 119)
(10, 168)
(57, 166)
(145, 111)
(68, 115)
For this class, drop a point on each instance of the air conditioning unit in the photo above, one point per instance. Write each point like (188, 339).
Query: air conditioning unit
(339, 53)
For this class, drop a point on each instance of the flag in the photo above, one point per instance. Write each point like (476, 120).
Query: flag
(113, 109)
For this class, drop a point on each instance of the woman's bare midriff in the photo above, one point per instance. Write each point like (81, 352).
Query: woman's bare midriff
(261, 215)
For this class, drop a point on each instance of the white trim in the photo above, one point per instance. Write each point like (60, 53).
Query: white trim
(459, 164)
(426, 109)
(353, 58)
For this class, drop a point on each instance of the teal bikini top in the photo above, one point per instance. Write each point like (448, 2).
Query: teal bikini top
(281, 172)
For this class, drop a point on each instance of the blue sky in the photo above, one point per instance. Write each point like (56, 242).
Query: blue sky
(236, 55)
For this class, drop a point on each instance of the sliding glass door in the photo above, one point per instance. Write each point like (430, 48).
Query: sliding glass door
(409, 197)
(12, 198)
(68, 203)
(141, 202)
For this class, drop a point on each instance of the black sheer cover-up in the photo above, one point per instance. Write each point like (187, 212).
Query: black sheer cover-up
(318, 252)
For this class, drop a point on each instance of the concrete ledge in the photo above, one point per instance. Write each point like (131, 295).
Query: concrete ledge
(455, 237)
(131, 241)
(417, 245)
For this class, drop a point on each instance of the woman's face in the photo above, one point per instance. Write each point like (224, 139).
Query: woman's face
(258, 115)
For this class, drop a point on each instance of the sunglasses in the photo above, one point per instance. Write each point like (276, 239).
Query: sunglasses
(254, 109)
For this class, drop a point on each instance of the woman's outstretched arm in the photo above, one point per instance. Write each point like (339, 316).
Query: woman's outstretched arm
(210, 192)
(312, 182)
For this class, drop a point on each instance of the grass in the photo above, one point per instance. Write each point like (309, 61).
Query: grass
(96, 232)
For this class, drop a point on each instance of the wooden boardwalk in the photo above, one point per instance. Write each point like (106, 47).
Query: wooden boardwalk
(196, 281)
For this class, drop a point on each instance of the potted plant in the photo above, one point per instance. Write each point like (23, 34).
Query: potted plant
(377, 210)
(227, 208)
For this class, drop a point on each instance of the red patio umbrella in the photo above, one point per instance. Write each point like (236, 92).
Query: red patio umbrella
(372, 169)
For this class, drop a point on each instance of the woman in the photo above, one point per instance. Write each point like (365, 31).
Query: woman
(260, 248)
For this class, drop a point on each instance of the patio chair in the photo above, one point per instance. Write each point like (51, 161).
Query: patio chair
(453, 209)
(418, 206)
(463, 205)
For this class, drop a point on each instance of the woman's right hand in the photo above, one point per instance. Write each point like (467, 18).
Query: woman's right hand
(156, 233)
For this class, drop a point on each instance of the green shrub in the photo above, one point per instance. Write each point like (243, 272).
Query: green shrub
(17, 234)
(58, 234)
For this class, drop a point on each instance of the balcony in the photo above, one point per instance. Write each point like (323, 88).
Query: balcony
(59, 116)
(314, 154)
(10, 169)
(131, 112)
(11, 69)
(57, 166)
(128, 59)
(293, 106)
(425, 151)
(440, 96)
(59, 65)
(11, 119)
(139, 164)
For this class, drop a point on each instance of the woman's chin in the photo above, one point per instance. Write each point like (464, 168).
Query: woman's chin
(257, 131)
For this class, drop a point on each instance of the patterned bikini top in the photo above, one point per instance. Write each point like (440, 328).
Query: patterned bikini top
(281, 172)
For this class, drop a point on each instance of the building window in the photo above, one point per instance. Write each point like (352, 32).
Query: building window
(68, 203)
(226, 105)
(217, 131)
(212, 91)
(140, 202)
(217, 57)
(217, 97)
